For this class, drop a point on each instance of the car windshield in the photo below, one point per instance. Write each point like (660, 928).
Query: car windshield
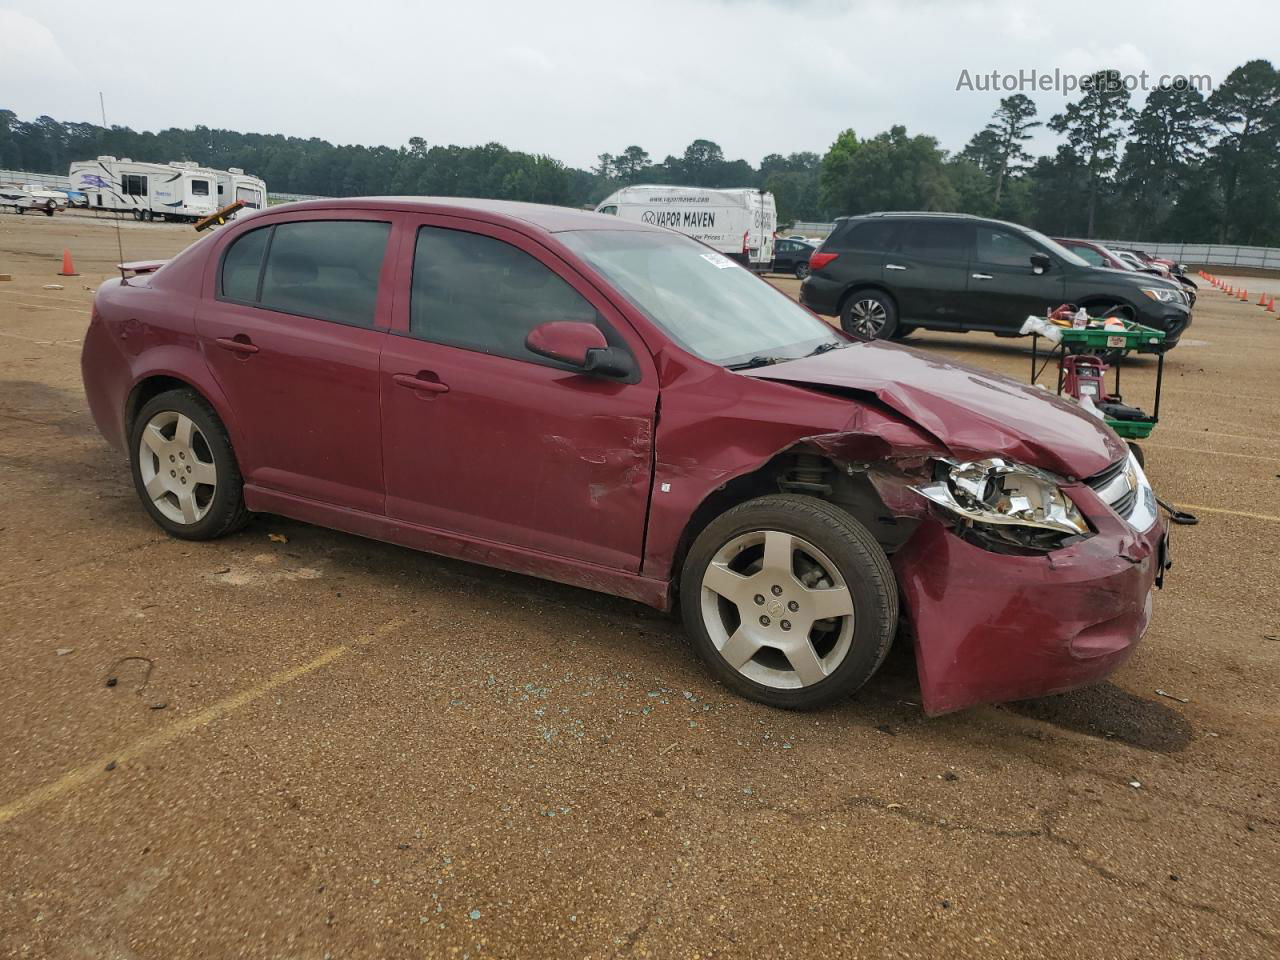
(1055, 247)
(704, 301)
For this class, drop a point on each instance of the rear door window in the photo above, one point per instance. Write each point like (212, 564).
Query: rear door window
(937, 239)
(1005, 248)
(324, 269)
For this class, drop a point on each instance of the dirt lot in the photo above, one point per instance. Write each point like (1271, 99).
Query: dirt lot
(346, 749)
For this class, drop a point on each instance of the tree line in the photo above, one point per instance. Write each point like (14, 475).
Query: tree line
(1186, 167)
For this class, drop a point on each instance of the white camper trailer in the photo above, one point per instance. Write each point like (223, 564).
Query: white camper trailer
(234, 184)
(150, 191)
(739, 223)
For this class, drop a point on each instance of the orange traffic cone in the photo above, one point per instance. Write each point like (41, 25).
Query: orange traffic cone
(1262, 299)
(1271, 305)
(1244, 296)
(67, 269)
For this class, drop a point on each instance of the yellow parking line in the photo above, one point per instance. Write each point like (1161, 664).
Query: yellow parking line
(1193, 507)
(1214, 453)
(82, 775)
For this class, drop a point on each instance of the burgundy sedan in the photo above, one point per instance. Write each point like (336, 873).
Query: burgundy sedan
(618, 407)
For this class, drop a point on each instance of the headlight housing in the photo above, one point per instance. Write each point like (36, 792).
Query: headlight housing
(1007, 503)
(1164, 294)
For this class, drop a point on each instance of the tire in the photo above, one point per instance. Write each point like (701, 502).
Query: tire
(137, 214)
(903, 330)
(869, 313)
(802, 269)
(211, 503)
(836, 655)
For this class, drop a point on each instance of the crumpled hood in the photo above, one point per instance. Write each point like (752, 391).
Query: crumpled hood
(972, 412)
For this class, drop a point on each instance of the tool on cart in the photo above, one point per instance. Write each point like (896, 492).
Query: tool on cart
(1087, 348)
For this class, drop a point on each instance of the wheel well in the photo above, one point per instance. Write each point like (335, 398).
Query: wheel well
(145, 390)
(800, 471)
(1107, 301)
(862, 288)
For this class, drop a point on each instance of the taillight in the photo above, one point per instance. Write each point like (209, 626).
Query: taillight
(745, 236)
(819, 260)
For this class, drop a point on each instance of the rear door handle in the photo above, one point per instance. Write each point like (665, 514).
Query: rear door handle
(980, 276)
(418, 382)
(894, 266)
(237, 345)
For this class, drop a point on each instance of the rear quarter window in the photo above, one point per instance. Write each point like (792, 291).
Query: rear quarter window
(874, 236)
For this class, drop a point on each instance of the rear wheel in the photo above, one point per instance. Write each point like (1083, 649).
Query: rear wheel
(802, 269)
(869, 313)
(184, 469)
(789, 600)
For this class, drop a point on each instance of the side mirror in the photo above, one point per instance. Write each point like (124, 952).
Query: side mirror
(580, 345)
(1040, 263)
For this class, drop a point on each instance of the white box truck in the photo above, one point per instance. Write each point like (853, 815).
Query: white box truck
(150, 191)
(739, 222)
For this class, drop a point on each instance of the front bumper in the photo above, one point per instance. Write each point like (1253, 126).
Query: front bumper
(993, 627)
(1173, 322)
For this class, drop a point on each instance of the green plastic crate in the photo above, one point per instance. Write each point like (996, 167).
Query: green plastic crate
(1135, 338)
(1131, 429)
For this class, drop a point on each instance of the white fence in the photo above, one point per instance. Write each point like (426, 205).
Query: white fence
(47, 181)
(1206, 254)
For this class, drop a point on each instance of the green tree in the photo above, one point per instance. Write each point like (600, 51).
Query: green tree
(891, 171)
(1166, 141)
(1094, 126)
(1246, 111)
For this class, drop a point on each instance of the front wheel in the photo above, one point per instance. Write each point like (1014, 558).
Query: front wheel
(789, 600)
(184, 469)
(870, 314)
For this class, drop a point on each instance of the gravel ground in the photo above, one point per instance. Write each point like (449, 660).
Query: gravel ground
(335, 747)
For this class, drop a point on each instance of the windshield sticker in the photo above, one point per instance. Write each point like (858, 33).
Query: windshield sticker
(716, 260)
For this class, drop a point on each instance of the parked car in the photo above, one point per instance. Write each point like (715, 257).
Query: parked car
(482, 379)
(792, 256)
(22, 199)
(885, 274)
(1101, 256)
(1135, 262)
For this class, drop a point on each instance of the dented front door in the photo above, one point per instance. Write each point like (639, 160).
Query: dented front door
(485, 440)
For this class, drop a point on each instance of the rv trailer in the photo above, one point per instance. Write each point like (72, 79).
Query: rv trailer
(183, 191)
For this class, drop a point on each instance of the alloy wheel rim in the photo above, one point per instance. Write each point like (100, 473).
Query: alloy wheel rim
(868, 317)
(176, 463)
(777, 610)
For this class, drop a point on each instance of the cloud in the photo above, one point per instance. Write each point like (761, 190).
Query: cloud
(582, 77)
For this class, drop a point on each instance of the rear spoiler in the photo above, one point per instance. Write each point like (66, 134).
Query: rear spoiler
(139, 267)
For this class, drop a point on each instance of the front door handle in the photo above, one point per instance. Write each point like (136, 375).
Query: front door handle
(980, 276)
(238, 344)
(894, 266)
(418, 381)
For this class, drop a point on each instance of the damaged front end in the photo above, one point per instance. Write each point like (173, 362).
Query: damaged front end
(1016, 582)
(1019, 583)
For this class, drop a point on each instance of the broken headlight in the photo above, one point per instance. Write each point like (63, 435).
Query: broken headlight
(1005, 504)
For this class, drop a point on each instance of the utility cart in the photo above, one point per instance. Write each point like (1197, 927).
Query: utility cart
(1084, 357)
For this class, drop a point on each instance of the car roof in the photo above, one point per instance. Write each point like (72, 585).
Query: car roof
(550, 218)
(931, 215)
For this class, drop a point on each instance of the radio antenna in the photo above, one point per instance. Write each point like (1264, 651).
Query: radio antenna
(102, 106)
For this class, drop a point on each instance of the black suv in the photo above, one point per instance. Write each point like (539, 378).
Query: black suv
(885, 274)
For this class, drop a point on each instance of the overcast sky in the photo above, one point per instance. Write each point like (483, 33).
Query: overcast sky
(575, 78)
